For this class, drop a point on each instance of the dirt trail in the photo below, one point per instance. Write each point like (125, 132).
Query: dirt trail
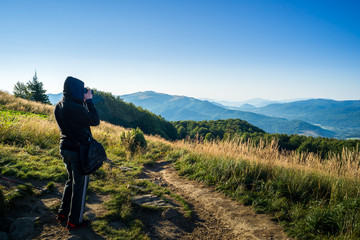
(218, 217)
(215, 216)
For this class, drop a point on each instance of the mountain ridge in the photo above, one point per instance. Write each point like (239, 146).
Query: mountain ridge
(311, 117)
(177, 108)
(340, 116)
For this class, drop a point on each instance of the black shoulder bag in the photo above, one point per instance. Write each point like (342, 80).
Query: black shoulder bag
(92, 155)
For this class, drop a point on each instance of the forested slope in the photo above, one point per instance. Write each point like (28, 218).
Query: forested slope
(114, 110)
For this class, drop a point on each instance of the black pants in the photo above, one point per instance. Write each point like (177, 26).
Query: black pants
(74, 195)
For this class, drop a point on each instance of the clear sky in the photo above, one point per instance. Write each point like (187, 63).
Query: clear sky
(226, 49)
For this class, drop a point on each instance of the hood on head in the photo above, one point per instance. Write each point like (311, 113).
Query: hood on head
(74, 89)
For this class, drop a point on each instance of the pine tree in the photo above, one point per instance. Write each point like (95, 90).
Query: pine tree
(33, 91)
(37, 93)
(21, 90)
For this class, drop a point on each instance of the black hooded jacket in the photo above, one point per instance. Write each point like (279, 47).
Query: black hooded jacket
(73, 116)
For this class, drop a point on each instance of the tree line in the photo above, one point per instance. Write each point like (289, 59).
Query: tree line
(222, 130)
(214, 129)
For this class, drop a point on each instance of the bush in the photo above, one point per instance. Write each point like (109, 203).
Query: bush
(134, 140)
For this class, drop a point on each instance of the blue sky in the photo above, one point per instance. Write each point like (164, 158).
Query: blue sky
(224, 50)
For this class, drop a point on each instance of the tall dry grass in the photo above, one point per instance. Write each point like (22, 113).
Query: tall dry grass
(313, 198)
(35, 129)
(45, 132)
(108, 133)
(24, 129)
(18, 104)
(346, 164)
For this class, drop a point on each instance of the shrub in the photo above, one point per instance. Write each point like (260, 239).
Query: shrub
(134, 140)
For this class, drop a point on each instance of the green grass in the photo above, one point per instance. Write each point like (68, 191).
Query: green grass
(10, 116)
(189, 212)
(27, 129)
(132, 231)
(31, 163)
(309, 205)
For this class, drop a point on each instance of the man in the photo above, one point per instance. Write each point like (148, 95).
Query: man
(74, 114)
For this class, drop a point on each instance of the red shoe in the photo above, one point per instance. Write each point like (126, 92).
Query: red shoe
(61, 217)
(72, 226)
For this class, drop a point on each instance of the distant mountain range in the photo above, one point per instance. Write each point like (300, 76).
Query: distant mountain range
(175, 108)
(313, 117)
(342, 117)
(257, 102)
(54, 98)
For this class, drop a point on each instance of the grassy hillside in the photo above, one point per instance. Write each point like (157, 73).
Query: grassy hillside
(313, 198)
(8, 101)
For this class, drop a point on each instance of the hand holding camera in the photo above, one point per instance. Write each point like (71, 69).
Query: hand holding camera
(87, 94)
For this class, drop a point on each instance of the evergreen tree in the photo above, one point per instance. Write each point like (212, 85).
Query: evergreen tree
(37, 93)
(33, 91)
(21, 90)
